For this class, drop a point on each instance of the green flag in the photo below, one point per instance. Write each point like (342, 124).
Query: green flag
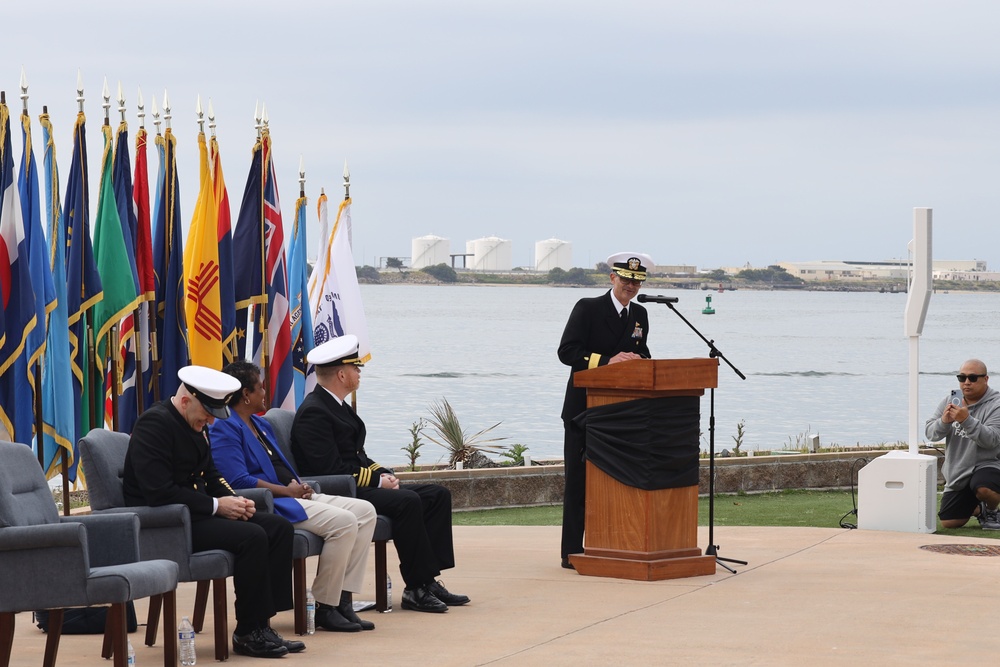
(111, 257)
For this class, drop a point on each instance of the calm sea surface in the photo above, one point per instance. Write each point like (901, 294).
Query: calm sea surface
(828, 363)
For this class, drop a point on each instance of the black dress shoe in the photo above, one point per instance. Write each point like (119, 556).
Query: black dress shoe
(257, 645)
(566, 564)
(346, 609)
(329, 618)
(450, 599)
(421, 599)
(292, 645)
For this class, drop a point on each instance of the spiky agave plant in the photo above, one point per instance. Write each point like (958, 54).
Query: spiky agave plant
(452, 437)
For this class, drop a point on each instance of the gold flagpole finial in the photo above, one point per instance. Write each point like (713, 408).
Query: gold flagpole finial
(347, 181)
(211, 117)
(201, 116)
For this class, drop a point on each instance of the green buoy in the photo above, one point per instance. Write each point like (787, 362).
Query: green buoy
(708, 310)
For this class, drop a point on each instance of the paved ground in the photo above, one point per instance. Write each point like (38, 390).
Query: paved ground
(808, 596)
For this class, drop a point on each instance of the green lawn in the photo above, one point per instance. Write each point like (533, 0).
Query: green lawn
(823, 509)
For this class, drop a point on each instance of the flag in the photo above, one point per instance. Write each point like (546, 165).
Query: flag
(144, 270)
(38, 259)
(83, 283)
(279, 334)
(17, 298)
(169, 269)
(248, 250)
(334, 293)
(298, 296)
(58, 416)
(227, 294)
(115, 266)
(125, 384)
(201, 272)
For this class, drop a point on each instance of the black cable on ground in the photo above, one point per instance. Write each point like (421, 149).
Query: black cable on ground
(855, 467)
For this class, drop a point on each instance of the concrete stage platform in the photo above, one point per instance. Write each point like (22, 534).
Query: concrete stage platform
(808, 596)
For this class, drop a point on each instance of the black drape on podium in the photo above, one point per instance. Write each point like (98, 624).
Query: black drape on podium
(648, 443)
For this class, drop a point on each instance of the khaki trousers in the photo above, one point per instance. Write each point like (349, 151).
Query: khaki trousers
(346, 526)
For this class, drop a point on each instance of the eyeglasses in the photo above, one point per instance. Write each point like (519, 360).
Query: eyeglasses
(630, 281)
(971, 377)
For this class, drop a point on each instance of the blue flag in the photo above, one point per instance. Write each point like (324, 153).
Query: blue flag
(168, 262)
(17, 298)
(248, 247)
(298, 296)
(83, 284)
(57, 377)
(128, 406)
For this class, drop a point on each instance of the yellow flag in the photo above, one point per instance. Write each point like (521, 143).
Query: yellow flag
(201, 273)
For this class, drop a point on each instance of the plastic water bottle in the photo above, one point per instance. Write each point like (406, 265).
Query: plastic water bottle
(388, 592)
(131, 654)
(185, 633)
(310, 612)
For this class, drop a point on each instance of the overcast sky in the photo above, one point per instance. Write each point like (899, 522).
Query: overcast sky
(706, 132)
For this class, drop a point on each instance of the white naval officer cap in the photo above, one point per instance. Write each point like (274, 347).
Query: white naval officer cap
(211, 387)
(631, 265)
(336, 352)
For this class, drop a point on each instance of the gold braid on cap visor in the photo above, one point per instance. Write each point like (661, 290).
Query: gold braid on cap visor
(631, 275)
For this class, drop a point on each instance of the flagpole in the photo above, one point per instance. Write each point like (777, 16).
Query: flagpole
(262, 135)
(154, 353)
(39, 418)
(347, 196)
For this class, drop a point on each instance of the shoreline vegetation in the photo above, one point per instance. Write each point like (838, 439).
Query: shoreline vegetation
(771, 278)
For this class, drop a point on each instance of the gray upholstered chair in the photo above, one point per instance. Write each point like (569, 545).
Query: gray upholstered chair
(52, 562)
(165, 533)
(341, 485)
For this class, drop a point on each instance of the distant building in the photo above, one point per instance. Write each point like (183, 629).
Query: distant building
(490, 254)
(898, 269)
(430, 250)
(553, 254)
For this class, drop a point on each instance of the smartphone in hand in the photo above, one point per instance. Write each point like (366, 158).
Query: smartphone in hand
(956, 397)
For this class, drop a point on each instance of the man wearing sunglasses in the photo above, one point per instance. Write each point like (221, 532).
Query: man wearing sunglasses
(970, 426)
(601, 330)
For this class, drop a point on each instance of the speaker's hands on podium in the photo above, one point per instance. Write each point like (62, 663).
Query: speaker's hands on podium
(624, 356)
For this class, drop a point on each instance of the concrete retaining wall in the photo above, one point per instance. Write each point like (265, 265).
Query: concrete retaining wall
(543, 484)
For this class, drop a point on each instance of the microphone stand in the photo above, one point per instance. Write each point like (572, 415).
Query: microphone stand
(714, 353)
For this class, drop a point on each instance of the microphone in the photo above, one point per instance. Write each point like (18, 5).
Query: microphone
(649, 298)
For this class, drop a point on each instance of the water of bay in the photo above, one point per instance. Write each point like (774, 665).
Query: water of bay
(832, 363)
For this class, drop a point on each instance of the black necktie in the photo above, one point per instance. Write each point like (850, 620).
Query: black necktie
(624, 315)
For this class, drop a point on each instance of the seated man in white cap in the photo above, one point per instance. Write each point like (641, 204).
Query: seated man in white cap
(601, 330)
(169, 461)
(328, 438)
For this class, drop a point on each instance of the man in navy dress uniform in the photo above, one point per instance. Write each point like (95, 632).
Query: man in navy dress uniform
(601, 330)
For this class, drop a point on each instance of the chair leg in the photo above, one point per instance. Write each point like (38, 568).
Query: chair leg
(299, 594)
(52, 640)
(200, 602)
(169, 628)
(119, 633)
(381, 600)
(153, 618)
(221, 620)
(108, 648)
(6, 637)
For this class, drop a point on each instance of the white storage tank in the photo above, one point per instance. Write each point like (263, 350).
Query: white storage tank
(429, 250)
(553, 254)
(491, 254)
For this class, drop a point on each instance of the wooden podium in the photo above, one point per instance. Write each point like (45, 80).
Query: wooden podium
(632, 533)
